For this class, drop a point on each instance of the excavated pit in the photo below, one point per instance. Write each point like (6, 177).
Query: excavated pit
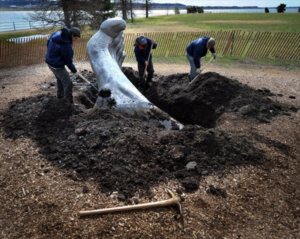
(130, 154)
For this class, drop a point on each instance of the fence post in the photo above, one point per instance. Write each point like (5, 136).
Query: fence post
(231, 50)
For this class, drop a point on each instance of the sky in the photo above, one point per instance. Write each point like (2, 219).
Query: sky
(239, 3)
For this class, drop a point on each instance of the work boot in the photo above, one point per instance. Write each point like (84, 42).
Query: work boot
(148, 84)
(76, 109)
(142, 86)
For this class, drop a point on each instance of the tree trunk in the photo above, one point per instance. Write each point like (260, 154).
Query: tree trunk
(147, 9)
(65, 7)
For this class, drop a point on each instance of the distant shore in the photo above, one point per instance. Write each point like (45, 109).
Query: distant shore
(16, 9)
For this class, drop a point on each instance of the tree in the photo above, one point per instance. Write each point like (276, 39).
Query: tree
(281, 8)
(131, 10)
(267, 10)
(72, 13)
(194, 9)
(99, 11)
(176, 10)
(191, 9)
(147, 7)
(299, 9)
(126, 8)
(200, 10)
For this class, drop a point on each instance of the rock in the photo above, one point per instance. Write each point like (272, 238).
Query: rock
(247, 109)
(190, 184)
(85, 189)
(216, 191)
(191, 165)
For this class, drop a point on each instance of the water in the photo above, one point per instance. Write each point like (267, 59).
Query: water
(19, 20)
(250, 10)
(14, 16)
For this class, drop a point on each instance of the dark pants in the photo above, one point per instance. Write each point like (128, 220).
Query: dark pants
(150, 70)
(64, 83)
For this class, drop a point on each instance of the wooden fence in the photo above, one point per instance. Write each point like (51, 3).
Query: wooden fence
(228, 43)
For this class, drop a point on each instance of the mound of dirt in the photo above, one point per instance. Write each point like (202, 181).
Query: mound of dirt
(204, 100)
(129, 154)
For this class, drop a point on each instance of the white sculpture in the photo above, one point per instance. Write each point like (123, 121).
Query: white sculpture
(106, 55)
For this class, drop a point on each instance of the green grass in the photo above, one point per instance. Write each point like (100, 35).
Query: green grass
(272, 22)
(233, 62)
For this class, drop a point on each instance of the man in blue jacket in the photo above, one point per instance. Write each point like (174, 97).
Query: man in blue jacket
(60, 54)
(142, 48)
(197, 49)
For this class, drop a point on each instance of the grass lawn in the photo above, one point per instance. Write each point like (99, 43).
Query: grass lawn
(272, 22)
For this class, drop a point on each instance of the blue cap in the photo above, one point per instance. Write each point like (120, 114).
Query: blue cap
(142, 40)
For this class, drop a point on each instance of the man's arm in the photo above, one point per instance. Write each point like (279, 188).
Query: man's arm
(67, 56)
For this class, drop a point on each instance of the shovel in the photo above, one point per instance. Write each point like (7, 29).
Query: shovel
(196, 77)
(145, 71)
(87, 81)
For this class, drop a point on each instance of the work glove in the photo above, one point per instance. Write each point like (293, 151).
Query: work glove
(215, 55)
(198, 70)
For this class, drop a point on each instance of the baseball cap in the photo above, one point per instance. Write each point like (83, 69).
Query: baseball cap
(211, 42)
(75, 31)
(142, 40)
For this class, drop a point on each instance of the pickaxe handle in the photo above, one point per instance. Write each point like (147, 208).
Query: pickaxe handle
(172, 201)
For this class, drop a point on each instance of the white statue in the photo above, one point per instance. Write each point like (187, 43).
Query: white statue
(106, 55)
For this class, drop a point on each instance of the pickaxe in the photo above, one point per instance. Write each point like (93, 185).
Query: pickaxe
(172, 201)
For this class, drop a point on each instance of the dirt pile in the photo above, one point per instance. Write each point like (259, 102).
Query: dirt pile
(129, 154)
(204, 100)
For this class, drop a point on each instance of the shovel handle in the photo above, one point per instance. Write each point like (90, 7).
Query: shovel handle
(148, 59)
(207, 63)
(87, 81)
(202, 70)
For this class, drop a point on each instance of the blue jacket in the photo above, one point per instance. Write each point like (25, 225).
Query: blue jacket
(60, 51)
(198, 49)
(142, 52)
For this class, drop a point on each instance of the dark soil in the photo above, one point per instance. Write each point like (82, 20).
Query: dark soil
(129, 155)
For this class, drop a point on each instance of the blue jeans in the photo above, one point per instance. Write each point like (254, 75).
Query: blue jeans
(192, 66)
(64, 83)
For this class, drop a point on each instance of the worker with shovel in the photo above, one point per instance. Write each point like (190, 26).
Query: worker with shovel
(142, 50)
(60, 54)
(197, 49)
